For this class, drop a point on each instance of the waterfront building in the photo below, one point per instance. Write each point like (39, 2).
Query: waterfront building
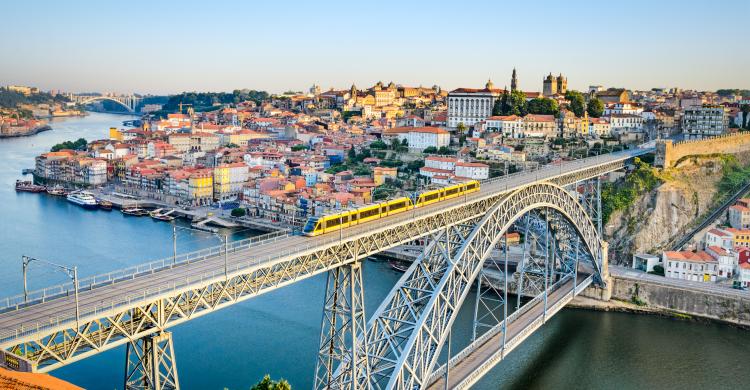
(645, 262)
(720, 237)
(229, 179)
(704, 121)
(727, 261)
(200, 187)
(694, 266)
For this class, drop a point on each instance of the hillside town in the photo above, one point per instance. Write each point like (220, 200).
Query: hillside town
(297, 155)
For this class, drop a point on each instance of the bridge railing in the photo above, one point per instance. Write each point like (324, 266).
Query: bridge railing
(94, 281)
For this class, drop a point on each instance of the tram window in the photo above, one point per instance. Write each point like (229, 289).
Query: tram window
(369, 213)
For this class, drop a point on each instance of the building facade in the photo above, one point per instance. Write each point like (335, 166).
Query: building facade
(704, 121)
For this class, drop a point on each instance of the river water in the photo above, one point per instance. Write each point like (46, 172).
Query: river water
(277, 333)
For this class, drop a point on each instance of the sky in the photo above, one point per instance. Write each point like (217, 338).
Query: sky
(164, 47)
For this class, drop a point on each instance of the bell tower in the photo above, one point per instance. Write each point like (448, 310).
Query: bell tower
(514, 81)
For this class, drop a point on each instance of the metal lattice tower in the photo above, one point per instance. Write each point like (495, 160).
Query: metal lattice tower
(343, 320)
(150, 363)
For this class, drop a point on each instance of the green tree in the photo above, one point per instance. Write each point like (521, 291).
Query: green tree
(430, 150)
(595, 108)
(79, 144)
(298, 147)
(378, 145)
(444, 150)
(577, 102)
(395, 144)
(238, 212)
(268, 384)
(499, 108)
(543, 106)
(405, 142)
(461, 128)
(352, 154)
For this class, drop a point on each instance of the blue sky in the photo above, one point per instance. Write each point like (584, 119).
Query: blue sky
(173, 46)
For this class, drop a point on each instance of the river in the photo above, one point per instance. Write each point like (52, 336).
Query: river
(277, 333)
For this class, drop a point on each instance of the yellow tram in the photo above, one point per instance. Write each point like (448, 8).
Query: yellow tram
(316, 226)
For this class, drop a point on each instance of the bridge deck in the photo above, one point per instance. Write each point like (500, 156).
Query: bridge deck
(470, 368)
(45, 314)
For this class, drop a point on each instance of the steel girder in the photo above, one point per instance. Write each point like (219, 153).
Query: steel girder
(150, 364)
(409, 328)
(343, 319)
(65, 342)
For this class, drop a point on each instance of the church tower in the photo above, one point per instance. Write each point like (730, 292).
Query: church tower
(562, 84)
(514, 81)
(353, 92)
(549, 86)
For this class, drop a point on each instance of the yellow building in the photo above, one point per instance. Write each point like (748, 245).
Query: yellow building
(201, 187)
(381, 173)
(115, 134)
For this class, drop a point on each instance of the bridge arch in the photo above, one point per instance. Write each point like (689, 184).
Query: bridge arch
(99, 98)
(407, 332)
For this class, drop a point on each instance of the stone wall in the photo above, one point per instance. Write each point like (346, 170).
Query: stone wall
(726, 308)
(669, 152)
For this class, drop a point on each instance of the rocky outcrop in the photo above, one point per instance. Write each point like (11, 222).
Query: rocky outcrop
(689, 191)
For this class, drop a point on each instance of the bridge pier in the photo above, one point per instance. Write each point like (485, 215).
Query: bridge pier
(343, 321)
(150, 363)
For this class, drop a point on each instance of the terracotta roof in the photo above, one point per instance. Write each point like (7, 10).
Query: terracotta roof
(695, 257)
(27, 380)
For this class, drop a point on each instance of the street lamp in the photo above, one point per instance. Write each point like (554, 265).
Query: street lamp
(71, 272)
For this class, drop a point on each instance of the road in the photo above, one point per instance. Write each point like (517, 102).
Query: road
(709, 288)
(42, 314)
(469, 365)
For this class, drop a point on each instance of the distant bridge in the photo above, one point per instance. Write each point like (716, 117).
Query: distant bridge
(129, 102)
(557, 207)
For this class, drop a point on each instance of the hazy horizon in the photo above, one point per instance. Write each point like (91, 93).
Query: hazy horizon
(171, 47)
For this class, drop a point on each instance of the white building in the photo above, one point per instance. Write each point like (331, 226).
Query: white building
(720, 238)
(743, 274)
(739, 216)
(727, 261)
(625, 122)
(476, 171)
(645, 262)
(599, 127)
(510, 126)
(704, 121)
(469, 105)
(423, 137)
(693, 266)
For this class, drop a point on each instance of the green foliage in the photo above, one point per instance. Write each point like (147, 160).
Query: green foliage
(380, 145)
(595, 108)
(414, 166)
(619, 196)
(461, 128)
(268, 384)
(391, 163)
(658, 270)
(543, 106)
(577, 103)
(729, 92)
(362, 170)
(11, 99)
(351, 154)
(202, 100)
(384, 191)
(430, 150)
(79, 144)
(298, 147)
(445, 150)
(232, 145)
(238, 212)
(734, 175)
(334, 169)
(513, 103)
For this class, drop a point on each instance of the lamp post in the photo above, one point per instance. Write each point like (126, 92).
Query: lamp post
(71, 272)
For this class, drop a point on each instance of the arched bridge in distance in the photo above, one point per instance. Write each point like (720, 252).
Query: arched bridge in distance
(129, 102)
(556, 208)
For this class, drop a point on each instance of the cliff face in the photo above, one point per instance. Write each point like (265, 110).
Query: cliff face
(689, 191)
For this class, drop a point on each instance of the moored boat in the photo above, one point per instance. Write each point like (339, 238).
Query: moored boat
(134, 211)
(83, 199)
(105, 205)
(56, 191)
(28, 186)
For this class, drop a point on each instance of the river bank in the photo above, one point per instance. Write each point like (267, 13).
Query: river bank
(27, 133)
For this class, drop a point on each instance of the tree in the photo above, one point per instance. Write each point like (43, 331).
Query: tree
(405, 142)
(445, 150)
(378, 145)
(352, 154)
(395, 144)
(238, 212)
(298, 147)
(745, 114)
(430, 150)
(577, 103)
(79, 144)
(499, 107)
(595, 108)
(542, 106)
(461, 128)
(268, 384)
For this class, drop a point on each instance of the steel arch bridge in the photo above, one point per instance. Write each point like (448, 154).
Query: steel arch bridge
(136, 307)
(129, 102)
(399, 347)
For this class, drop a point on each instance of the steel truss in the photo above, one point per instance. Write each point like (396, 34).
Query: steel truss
(343, 319)
(150, 363)
(57, 344)
(410, 327)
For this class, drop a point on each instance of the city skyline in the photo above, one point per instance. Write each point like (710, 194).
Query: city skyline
(189, 46)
